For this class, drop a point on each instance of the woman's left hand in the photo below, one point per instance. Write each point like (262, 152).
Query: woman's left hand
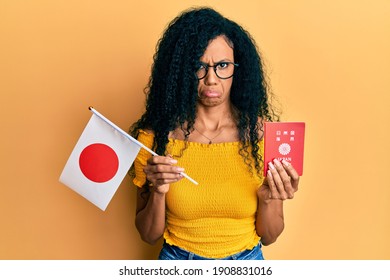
(281, 182)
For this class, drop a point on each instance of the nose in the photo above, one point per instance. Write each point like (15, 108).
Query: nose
(211, 77)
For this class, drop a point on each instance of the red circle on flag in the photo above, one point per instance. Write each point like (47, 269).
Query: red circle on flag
(98, 162)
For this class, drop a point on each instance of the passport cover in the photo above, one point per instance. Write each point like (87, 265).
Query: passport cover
(284, 140)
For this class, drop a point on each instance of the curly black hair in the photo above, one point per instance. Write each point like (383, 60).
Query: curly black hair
(172, 89)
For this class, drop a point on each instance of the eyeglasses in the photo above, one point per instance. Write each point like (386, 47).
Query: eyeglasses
(223, 70)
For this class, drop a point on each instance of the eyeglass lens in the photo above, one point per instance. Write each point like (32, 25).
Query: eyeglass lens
(223, 70)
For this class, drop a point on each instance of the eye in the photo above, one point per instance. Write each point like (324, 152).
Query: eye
(222, 65)
(201, 66)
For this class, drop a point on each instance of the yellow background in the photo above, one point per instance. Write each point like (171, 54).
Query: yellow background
(329, 65)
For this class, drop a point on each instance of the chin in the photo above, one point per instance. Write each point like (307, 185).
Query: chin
(210, 102)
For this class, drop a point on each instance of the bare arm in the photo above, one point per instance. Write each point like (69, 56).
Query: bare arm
(150, 212)
(280, 184)
(270, 220)
(150, 215)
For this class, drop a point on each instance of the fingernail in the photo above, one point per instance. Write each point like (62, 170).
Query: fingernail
(180, 169)
(285, 163)
(173, 161)
(277, 163)
(271, 166)
(269, 173)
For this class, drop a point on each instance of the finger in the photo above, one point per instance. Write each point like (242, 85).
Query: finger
(160, 179)
(160, 168)
(161, 160)
(158, 164)
(165, 175)
(168, 181)
(285, 179)
(292, 173)
(278, 177)
(274, 194)
(161, 171)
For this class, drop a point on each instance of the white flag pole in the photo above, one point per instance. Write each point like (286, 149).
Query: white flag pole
(132, 139)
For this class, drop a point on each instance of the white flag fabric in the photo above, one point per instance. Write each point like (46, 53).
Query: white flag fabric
(99, 162)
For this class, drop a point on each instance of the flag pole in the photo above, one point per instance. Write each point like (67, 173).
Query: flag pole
(132, 139)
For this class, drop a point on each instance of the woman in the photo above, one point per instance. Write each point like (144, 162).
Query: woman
(207, 99)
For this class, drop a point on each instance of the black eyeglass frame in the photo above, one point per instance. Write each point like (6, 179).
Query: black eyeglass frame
(206, 66)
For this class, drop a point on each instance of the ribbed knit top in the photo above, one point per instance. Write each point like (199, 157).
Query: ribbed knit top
(216, 218)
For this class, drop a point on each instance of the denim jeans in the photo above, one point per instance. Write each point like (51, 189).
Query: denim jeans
(170, 252)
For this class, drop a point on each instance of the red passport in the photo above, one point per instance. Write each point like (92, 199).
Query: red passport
(284, 140)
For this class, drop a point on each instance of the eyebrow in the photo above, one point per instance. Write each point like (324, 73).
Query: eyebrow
(222, 60)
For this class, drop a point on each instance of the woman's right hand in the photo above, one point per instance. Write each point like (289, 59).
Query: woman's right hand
(160, 172)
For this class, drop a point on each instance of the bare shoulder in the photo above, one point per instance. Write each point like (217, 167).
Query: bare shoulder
(178, 134)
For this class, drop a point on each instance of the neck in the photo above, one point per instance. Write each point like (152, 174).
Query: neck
(212, 125)
(213, 118)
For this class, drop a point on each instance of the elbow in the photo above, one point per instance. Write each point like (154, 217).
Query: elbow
(268, 241)
(147, 235)
(270, 237)
(149, 239)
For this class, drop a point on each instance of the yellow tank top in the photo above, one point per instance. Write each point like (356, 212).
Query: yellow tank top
(216, 218)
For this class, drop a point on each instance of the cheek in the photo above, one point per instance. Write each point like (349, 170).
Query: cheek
(227, 85)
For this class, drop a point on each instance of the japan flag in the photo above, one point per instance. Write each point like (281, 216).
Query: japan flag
(99, 162)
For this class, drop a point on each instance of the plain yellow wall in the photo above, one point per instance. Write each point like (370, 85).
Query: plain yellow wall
(329, 65)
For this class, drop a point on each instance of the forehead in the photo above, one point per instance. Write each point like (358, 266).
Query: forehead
(218, 49)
